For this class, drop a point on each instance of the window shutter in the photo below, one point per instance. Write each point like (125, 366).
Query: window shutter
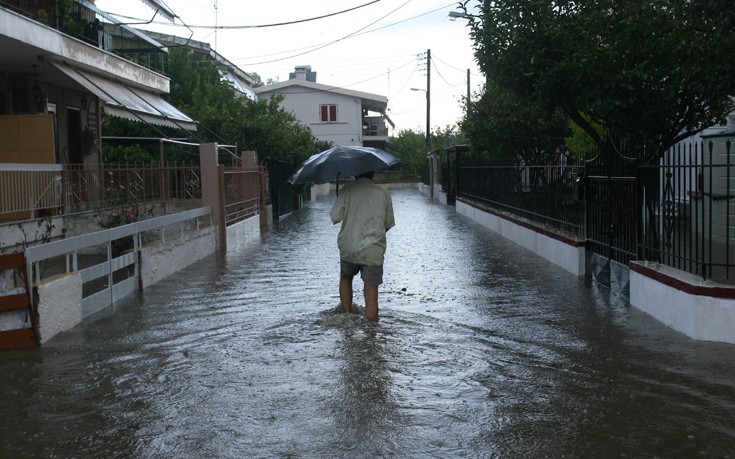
(332, 113)
(324, 114)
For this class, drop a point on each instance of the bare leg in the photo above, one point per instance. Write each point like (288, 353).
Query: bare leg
(371, 301)
(345, 292)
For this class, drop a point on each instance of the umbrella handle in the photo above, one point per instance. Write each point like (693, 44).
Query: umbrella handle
(337, 184)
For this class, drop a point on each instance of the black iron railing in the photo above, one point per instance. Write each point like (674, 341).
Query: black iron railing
(679, 212)
(547, 194)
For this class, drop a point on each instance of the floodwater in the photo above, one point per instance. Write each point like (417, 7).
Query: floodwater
(483, 349)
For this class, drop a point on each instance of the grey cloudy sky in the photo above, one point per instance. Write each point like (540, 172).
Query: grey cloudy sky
(378, 48)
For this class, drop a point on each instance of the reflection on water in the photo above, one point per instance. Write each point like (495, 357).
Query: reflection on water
(482, 350)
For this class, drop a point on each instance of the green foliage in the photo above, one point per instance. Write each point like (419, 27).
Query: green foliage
(580, 144)
(119, 154)
(263, 126)
(503, 124)
(121, 203)
(410, 148)
(448, 136)
(67, 23)
(647, 72)
(198, 90)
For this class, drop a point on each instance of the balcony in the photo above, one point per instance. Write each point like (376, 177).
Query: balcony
(374, 127)
(94, 27)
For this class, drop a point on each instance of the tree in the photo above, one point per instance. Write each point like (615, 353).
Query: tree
(410, 147)
(223, 117)
(650, 72)
(501, 124)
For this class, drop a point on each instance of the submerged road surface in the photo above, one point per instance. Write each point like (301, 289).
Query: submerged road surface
(483, 349)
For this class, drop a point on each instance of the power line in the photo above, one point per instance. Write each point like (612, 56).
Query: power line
(318, 47)
(456, 68)
(442, 76)
(278, 24)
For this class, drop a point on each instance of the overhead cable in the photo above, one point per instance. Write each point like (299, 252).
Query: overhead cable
(278, 24)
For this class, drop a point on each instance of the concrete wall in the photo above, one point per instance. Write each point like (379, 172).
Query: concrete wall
(25, 233)
(564, 252)
(59, 305)
(243, 233)
(162, 259)
(60, 297)
(702, 310)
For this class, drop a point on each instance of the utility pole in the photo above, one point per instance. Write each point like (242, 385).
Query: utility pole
(428, 100)
(468, 93)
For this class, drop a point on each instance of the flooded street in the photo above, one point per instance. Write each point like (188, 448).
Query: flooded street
(483, 349)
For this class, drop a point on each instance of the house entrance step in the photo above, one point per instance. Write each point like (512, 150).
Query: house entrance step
(16, 302)
(23, 337)
(17, 339)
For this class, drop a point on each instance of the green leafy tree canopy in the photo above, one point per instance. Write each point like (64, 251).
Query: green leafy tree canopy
(651, 72)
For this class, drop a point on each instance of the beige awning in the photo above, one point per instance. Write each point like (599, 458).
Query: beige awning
(161, 8)
(124, 101)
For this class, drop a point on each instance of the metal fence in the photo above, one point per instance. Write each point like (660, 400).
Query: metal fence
(679, 212)
(688, 214)
(546, 194)
(242, 194)
(27, 190)
(282, 193)
(108, 274)
(31, 191)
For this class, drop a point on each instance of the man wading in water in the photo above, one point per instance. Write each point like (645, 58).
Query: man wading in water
(366, 212)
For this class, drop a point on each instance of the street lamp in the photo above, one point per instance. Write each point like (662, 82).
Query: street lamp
(454, 15)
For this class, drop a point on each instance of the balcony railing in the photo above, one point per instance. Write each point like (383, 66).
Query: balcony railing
(95, 28)
(27, 190)
(30, 191)
(374, 127)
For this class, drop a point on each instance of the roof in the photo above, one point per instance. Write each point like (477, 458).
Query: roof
(372, 102)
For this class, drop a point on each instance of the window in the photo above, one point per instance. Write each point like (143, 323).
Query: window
(328, 113)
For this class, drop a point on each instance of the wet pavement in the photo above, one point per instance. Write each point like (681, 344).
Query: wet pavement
(483, 349)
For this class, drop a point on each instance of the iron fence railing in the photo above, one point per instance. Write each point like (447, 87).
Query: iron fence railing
(242, 194)
(679, 212)
(546, 194)
(688, 219)
(31, 191)
(282, 194)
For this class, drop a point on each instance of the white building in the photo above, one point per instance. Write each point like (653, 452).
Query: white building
(337, 115)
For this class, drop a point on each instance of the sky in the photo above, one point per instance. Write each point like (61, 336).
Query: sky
(379, 47)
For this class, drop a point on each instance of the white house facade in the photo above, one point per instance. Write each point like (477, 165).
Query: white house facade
(337, 115)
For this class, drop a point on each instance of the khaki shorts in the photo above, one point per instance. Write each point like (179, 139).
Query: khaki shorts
(371, 275)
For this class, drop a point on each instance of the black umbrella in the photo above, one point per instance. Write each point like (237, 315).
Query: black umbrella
(342, 162)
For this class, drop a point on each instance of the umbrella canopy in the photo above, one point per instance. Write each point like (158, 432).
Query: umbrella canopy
(342, 162)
